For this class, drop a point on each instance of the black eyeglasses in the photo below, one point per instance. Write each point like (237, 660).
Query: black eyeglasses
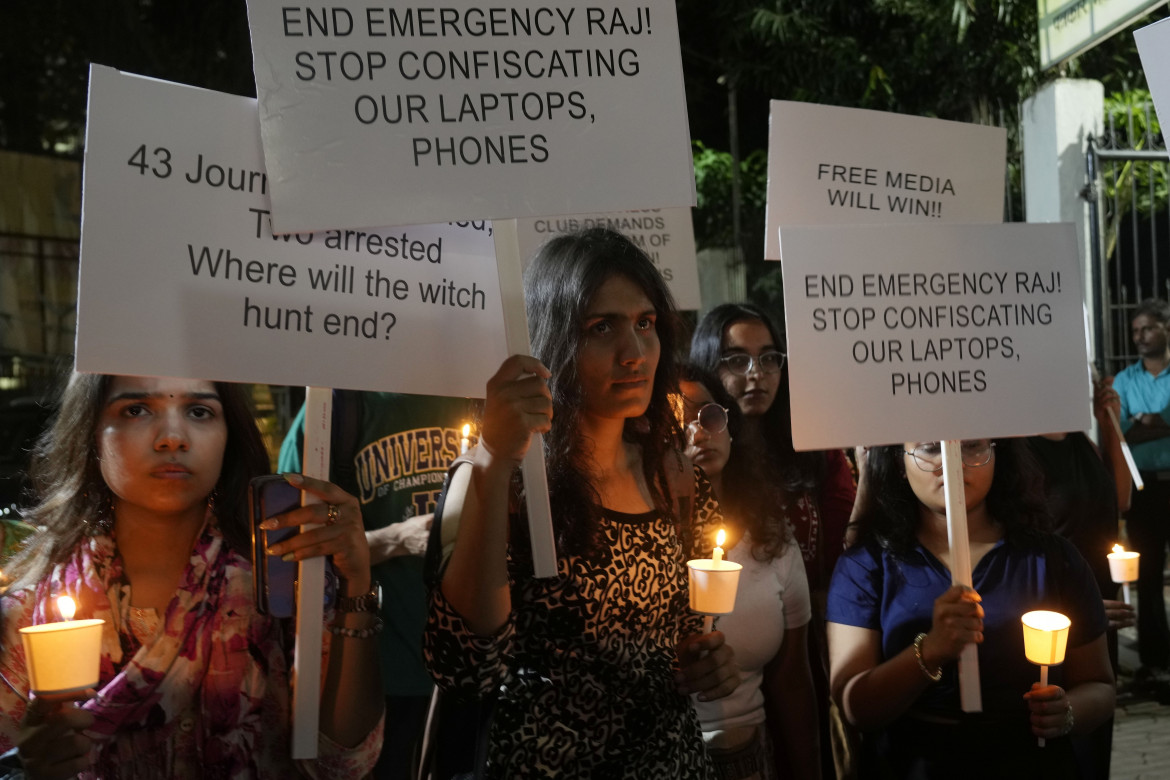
(975, 453)
(712, 418)
(743, 364)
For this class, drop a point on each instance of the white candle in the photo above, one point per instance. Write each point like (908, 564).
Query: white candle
(1045, 641)
(1123, 565)
(717, 554)
(63, 658)
(465, 442)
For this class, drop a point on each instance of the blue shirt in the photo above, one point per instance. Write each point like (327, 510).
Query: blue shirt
(877, 589)
(1143, 393)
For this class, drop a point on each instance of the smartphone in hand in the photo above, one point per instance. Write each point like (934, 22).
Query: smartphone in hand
(274, 581)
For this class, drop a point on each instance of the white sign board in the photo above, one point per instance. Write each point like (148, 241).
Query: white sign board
(373, 112)
(1071, 27)
(839, 166)
(181, 276)
(1153, 45)
(927, 332)
(667, 236)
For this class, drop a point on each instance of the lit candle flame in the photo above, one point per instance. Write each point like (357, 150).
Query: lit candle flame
(720, 538)
(65, 607)
(466, 430)
(1117, 548)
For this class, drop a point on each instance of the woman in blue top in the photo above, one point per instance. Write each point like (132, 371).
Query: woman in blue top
(897, 625)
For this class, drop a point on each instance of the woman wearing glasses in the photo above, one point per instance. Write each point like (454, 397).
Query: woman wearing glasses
(762, 730)
(739, 343)
(897, 625)
(814, 491)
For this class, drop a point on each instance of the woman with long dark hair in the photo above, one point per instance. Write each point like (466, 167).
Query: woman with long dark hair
(897, 625)
(143, 503)
(762, 731)
(739, 343)
(590, 668)
(813, 491)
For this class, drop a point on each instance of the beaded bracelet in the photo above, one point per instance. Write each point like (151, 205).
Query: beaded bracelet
(932, 676)
(358, 633)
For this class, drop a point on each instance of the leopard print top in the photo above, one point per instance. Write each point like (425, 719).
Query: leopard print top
(584, 668)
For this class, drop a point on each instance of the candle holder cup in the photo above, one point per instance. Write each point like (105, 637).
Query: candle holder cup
(1045, 641)
(1123, 569)
(63, 659)
(713, 585)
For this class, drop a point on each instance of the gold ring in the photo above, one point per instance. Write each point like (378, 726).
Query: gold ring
(333, 514)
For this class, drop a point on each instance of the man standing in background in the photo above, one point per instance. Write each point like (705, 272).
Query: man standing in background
(1144, 389)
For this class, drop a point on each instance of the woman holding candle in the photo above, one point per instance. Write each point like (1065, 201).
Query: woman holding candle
(590, 669)
(741, 345)
(144, 504)
(762, 730)
(897, 626)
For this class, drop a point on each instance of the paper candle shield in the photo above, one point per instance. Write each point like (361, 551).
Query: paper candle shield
(1045, 637)
(1123, 566)
(62, 658)
(713, 585)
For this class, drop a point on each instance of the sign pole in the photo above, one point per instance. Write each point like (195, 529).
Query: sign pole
(970, 696)
(306, 678)
(508, 265)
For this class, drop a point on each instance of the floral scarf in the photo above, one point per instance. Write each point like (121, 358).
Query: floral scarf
(199, 689)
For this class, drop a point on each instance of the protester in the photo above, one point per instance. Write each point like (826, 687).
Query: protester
(897, 625)
(391, 450)
(590, 669)
(740, 344)
(143, 499)
(1144, 388)
(762, 730)
(1086, 488)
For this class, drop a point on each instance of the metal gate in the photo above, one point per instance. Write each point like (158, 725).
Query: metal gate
(1129, 223)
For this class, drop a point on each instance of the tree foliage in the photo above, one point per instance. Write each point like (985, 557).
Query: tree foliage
(965, 60)
(46, 47)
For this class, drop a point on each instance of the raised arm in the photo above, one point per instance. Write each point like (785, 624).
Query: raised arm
(475, 582)
(352, 702)
(873, 693)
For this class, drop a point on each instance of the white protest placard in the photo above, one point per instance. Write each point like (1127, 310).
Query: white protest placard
(929, 332)
(667, 236)
(181, 276)
(1153, 44)
(839, 166)
(373, 112)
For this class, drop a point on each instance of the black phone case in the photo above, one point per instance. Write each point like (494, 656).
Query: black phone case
(274, 581)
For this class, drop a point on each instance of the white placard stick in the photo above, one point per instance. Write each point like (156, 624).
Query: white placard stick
(970, 695)
(1125, 451)
(508, 265)
(306, 704)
